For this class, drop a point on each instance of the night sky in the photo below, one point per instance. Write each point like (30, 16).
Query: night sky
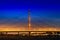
(44, 13)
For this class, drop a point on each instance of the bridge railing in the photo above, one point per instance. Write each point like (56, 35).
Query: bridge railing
(29, 33)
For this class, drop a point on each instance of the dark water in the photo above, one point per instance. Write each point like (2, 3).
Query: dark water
(48, 37)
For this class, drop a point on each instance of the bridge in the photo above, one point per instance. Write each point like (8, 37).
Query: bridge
(30, 33)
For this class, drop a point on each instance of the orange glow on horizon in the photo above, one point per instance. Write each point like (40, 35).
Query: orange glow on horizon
(21, 28)
(26, 29)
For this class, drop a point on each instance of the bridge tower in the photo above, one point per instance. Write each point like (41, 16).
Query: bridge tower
(29, 20)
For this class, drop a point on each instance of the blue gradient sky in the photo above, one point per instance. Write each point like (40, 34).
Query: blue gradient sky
(43, 12)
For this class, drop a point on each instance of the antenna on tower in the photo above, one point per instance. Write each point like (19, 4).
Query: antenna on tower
(29, 20)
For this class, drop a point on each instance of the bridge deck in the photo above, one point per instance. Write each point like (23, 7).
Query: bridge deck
(32, 32)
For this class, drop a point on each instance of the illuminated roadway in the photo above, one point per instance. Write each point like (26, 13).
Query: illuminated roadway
(32, 32)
